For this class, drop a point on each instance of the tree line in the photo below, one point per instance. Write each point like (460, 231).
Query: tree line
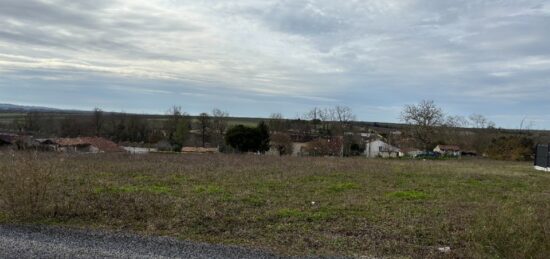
(425, 125)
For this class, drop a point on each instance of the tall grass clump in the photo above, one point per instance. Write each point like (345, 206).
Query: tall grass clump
(26, 185)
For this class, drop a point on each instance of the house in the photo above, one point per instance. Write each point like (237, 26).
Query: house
(379, 148)
(87, 145)
(448, 150)
(542, 158)
(199, 150)
(299, 149)
(139, 150)
(45, 144)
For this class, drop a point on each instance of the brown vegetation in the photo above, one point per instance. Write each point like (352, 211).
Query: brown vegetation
(294, 206)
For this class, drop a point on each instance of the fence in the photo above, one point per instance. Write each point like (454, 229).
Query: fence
(542, 157)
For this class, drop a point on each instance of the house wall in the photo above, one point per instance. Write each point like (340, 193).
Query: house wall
(380, 148)
(298, 149)
(139, 150)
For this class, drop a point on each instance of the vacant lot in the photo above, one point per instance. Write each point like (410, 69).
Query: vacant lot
(291, 206)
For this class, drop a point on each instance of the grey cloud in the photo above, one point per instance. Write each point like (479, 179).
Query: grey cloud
(381, 52)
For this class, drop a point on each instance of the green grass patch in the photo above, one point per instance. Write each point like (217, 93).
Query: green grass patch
(209, 189)
(362, 208)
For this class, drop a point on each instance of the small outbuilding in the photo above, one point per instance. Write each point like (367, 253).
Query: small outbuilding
(542, 158)
(448, 150)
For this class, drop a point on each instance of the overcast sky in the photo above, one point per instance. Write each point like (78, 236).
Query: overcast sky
(256, 57)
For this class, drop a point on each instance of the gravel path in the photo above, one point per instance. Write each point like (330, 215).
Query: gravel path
(50, 242)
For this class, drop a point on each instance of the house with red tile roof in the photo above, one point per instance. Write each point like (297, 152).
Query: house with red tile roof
(87, 145)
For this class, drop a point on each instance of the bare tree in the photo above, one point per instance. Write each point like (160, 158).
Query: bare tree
(481, 122)
(456, 121)
(32, 122)
(175, 115)
(204, 124)
(277, 122)
(97, 121)
(424, 118)
(524, 125)
(344, 116)
(219, 121)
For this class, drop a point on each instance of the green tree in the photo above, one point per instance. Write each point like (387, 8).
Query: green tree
(182, 133)
(263, 137)
(248, 139)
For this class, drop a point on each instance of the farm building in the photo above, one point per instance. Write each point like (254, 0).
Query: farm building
(46, 144)
(379, 148)
(542, 158)
(199, 150)
(139, 150)
(448, 150)
(87, 145)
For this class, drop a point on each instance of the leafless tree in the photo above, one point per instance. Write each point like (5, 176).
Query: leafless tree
(277, 122)
(97, 121)
(344, 116)
(204, 124)
(456, 121)
(282, 142)
(424, 118)
(481, 122)
(32, 122)
(219, 121)
(172, 122)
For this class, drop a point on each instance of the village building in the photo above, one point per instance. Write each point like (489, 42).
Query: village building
(447, 150)
(139, 150)
(379, 148)
(410, 152)
(92, 145)
(199, 150)
(45, 144)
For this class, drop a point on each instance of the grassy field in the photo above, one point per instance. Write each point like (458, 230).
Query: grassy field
(291, 206)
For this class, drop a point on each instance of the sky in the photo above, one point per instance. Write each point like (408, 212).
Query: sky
(257, 57)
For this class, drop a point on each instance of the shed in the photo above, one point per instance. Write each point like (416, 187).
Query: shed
(542, 158)
(379, 148)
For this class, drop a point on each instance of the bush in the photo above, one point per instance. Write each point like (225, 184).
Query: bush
(26, 185)
(511, 148)
(248, 139)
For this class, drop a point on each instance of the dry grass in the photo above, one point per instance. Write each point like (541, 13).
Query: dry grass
(292, 206)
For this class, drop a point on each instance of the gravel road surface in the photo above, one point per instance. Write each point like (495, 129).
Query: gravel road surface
(52, 242)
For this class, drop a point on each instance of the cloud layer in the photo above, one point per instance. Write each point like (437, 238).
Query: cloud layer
(256, 57)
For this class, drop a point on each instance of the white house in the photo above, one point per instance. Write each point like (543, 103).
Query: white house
(139, 150)
(448, 150)
(379, 148)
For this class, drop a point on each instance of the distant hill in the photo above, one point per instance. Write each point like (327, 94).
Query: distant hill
(22, 108)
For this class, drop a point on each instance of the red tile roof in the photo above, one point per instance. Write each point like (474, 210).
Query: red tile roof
(102, 144)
